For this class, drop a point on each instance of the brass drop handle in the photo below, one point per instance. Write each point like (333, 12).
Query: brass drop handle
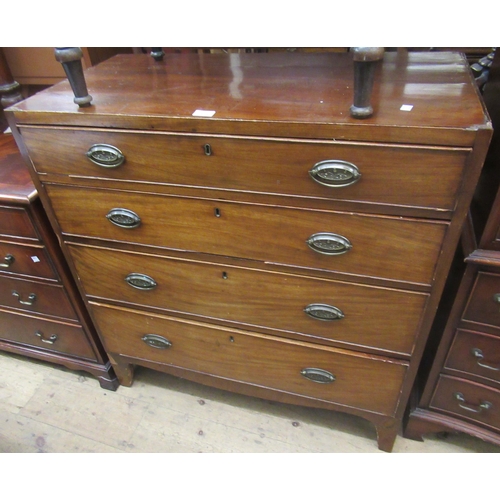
(484, 405)
(29, 302)
(318, 375)
(156, 341)
(141, 281)
(478, 354)
(105, 155)
(50, 340)
(7, 261)
(329, 243)
(124, 218)
(323, 312)
(335, 173)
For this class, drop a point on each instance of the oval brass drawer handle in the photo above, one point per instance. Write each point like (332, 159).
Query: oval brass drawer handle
(324, 312)
(105, 155)
(50, 340)
(329, 243)
(7, 261)
(478, 354)
(141, 281)
(156, 341)
(318, 375)
(29, 302)
(124, 218)
(335, 173)
(484, 405)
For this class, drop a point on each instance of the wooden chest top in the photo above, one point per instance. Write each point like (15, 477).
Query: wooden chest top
(302, 95)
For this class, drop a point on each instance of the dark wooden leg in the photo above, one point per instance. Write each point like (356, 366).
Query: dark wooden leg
(70, 58)
(157, 53)
(10, 90)
(124, 371)
(387, 431)
(365, 60)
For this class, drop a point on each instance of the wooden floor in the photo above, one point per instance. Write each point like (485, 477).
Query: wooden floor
(46, 408)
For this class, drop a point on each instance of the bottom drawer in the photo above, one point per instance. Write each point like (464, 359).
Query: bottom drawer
(49, 335)
(467, 400)
(356, 380)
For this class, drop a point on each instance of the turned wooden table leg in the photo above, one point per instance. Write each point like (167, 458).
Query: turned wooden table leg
(365, 60)
(157, 53)
(10, 90)
(70, 58)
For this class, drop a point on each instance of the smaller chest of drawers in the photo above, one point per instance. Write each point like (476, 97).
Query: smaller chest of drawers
(41, 313)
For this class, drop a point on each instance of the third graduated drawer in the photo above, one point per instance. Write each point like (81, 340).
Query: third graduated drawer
(334, 311)
(410, 176)
(389, 248)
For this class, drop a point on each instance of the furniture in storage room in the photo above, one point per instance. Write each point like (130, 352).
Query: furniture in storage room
(42, 314)
(230, 222)
(460, 389)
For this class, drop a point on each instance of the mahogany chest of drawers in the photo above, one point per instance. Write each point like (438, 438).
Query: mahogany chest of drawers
(229, 222)
(42, 314)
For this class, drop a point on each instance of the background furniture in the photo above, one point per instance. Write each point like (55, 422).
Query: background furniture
(460, 390)
(219, 233)
(41, 312)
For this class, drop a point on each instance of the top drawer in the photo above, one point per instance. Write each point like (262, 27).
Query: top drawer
(16, 222)
(406, 176)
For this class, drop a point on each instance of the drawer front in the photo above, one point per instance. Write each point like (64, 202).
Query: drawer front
(35, 297)
(420, 177)
(468, 400)
(16, 222)
(343, 312)
(475, 353)
(26, 261)
(381, 246)
(360, 381)
(44, 334)
(484, 303)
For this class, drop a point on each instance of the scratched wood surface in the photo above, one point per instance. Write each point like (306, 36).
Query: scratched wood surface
(53, 410)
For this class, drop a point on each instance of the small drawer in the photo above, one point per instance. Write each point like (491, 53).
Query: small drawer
(484, 303)
(15, 221)
(355, 244)
(342, 312)
(26, 260)
(468, 400)
(45, 334)
(35, 297)
(391, 175)
(355, 380)
(475, 353)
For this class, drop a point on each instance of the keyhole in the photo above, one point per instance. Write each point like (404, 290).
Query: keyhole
(224, 275)
(217, 212)
(231, 339)
(208, 149)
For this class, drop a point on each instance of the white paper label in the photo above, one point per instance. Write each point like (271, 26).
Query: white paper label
(204, 112)
(34, 258)
(406, 107)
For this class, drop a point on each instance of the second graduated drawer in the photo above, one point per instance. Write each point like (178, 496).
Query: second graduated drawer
(338, 311)
(356, 244)
(334, 375)
(405, 176)
(26, 260)
(45, 334)
(36, 297)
